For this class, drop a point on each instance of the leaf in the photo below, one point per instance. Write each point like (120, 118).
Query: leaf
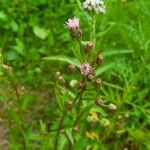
(14, 26)
(113, 86)
(116, 52)
(3, 16)
(64, 59)
(69, 134)
(100, 70)
(40, 32)
(19, 47)
(104, 32)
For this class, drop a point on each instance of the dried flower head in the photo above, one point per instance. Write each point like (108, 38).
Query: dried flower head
(73, 23)
(97, 6)
(86, 69)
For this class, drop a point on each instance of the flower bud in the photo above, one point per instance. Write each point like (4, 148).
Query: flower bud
(61, 80)
(98, 81)
(62, 131)
(89, 46)
(73, 83)
(90, 77)
(126, 116)
(99, 59)
(75, 129)
(81, 84)
(105, 122)
(57, 74)
(69, 105)
(72, 68)
(99, 102)
(112, 107)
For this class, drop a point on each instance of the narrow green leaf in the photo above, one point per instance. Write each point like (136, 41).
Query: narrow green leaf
(69, 134)
(100, 70)
(116, 52)
(113, 86)
(63, 59)
(104, 32)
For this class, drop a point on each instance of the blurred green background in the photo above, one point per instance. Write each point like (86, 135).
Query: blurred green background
(33, 29)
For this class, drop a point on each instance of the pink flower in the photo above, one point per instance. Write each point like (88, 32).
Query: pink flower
(73, 23)
(86, 69)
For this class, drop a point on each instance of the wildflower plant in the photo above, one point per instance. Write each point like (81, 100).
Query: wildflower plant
(89, 59)
(72, 96)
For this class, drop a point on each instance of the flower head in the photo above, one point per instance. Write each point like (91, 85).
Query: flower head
(73, 23)
(86, 69)
(94, 5)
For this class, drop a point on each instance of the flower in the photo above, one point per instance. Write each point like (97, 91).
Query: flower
(73, 23)
(97, 6)
(92, 117)
(86, 69)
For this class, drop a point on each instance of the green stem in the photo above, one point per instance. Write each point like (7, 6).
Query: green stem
(58, 131)
(80, 51)
(94, 30)
(78, 103)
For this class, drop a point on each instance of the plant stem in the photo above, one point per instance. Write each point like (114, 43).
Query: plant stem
(93, 30)
(79, 98)
(58, 131)
(79, 95)
(80, 51)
